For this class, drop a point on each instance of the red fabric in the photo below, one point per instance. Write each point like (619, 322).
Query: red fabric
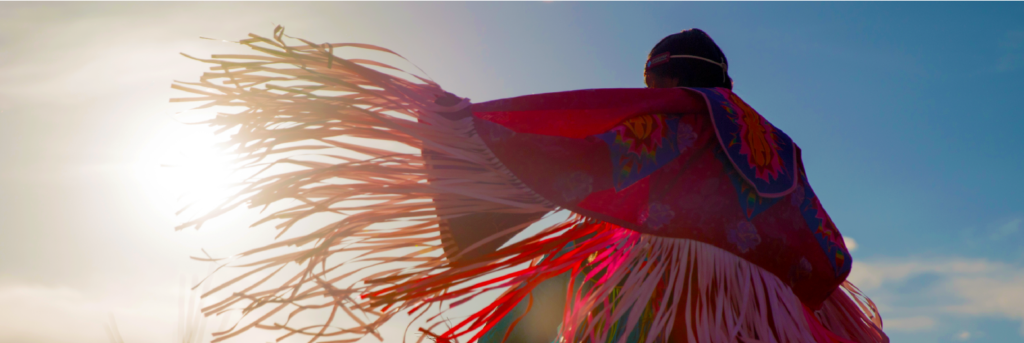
(558, 145)
(578, 114)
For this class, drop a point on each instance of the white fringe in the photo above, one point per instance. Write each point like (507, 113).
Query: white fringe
(731, 301)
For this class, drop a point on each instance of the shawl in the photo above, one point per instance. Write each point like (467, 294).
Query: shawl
(693, 218)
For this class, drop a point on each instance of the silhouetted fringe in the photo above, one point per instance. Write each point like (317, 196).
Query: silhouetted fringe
(722, 297)
(851, 315)
(302, 99)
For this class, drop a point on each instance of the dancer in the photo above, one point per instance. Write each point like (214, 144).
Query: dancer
(693, 217)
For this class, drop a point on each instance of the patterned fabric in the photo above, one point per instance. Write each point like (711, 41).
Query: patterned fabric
(703, 176)
(641, 145)
(676, 239)
(824, 230)
(764, 155)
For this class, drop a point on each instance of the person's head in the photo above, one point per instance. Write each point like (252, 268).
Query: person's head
(687, 59)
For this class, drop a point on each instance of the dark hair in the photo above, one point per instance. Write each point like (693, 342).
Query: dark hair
(691, 72)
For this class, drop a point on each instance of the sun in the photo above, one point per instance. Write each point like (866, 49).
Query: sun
(186, 169)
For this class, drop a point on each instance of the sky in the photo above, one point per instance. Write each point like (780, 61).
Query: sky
(905, 112)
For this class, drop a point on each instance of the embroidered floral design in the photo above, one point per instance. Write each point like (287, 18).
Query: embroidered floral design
(657, 215)
(644, 132)
(825, 227)
(639, 146)
(750, 202)
(577, 186)
(827, 235)
(757, 140)
(685, 136)
(764, 156)
(745, 236)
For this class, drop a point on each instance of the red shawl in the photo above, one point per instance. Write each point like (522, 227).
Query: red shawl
(653, 161)
(694, 217)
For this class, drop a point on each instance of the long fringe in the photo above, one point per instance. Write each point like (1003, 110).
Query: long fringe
(721, 297)
(851, 315)
(305, 100)
(629, 279)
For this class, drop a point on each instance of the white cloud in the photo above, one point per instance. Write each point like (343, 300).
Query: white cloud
(909, 324)
(963, 336)
(875, 274)
(970, 287)
(851, 244)
(990, 295)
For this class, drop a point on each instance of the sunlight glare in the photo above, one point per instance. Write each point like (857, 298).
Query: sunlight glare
(187, 170)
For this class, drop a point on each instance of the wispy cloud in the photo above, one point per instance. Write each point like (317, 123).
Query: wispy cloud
(1007, 229)
(910, 324)
(872, 275)
(963, 336)
(959, 287)
(1000, 295)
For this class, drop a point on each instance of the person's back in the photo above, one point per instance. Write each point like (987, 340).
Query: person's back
(691, 59)
(693, 218)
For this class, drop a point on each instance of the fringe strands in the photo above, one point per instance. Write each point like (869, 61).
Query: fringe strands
(301, 105)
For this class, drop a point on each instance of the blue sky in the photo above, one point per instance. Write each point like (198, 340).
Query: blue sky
(906, 114)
